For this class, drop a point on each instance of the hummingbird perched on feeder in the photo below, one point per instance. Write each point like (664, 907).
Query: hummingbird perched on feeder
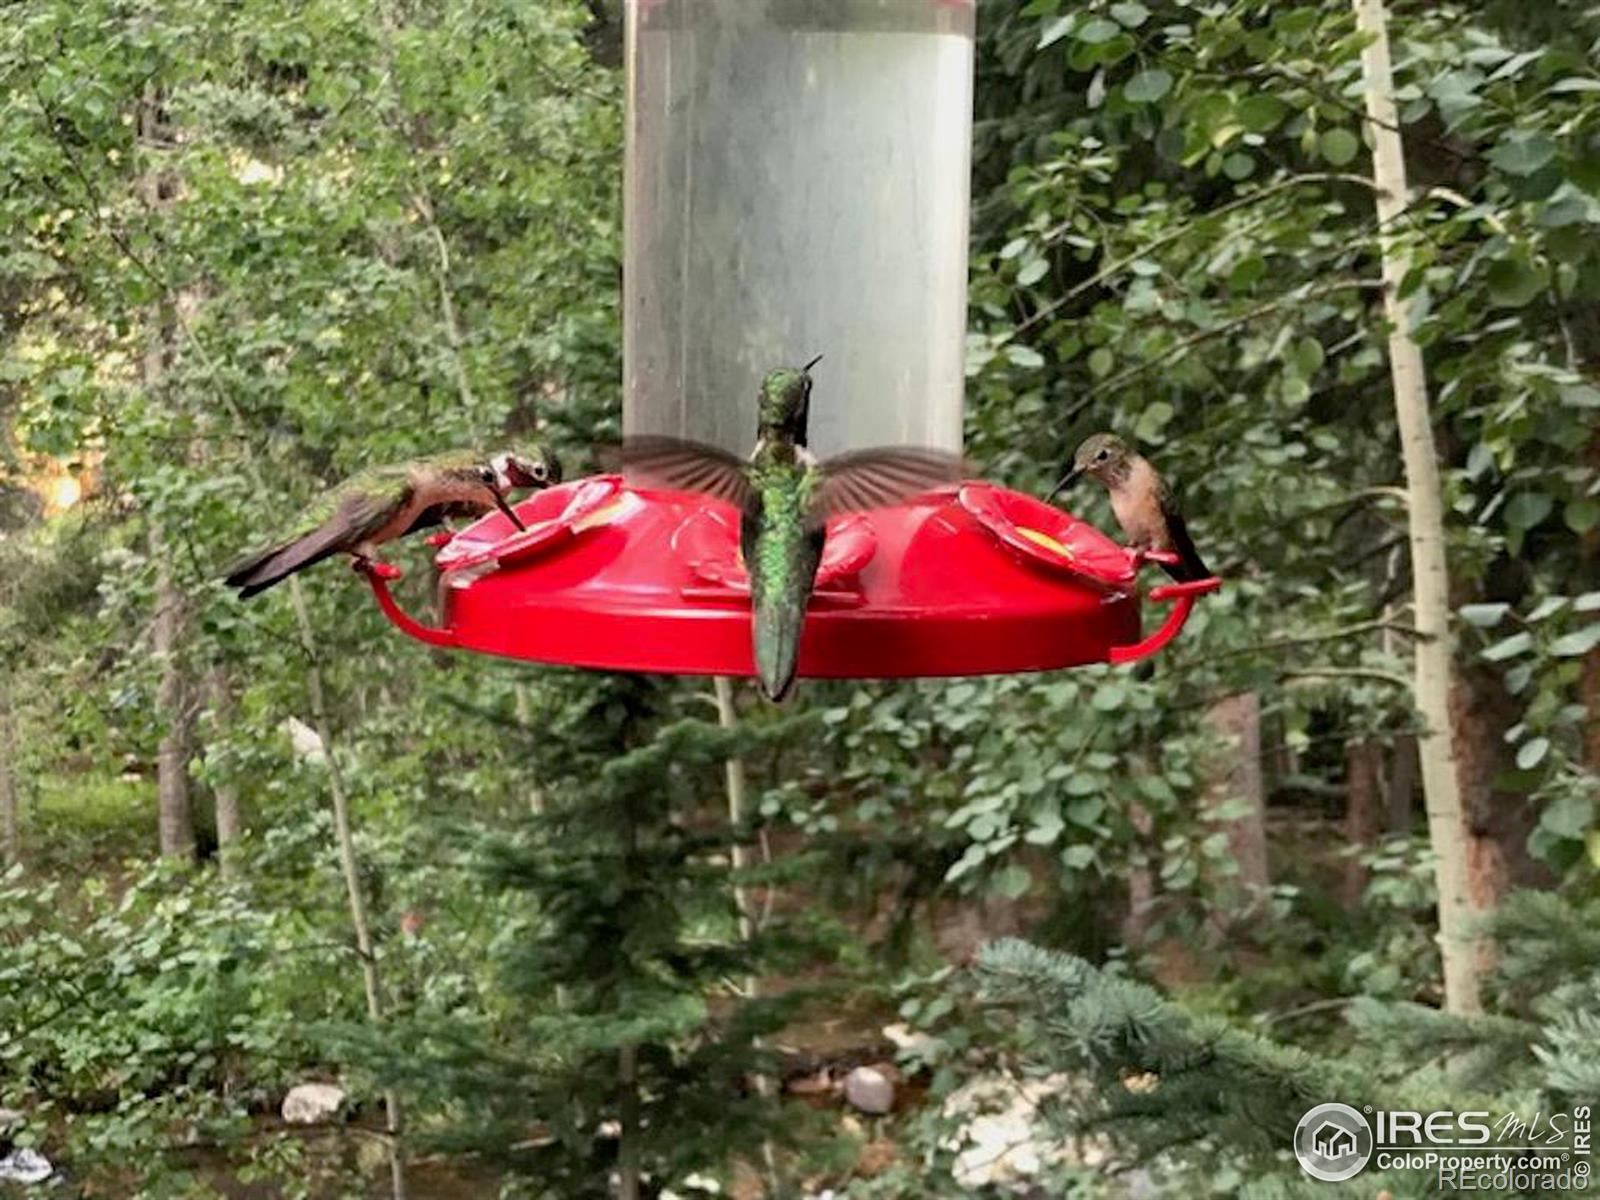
(1142, 501)
(387, 502)
(785, 498)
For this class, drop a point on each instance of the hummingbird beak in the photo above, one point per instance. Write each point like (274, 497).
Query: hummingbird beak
(809, 365)
(1067, 480)
(511, 513)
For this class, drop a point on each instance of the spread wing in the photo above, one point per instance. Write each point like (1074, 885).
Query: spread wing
(685, 466)
(881, 476)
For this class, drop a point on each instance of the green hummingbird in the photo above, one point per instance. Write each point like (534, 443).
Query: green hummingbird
(785, 498)
(1142, 501)
(387, 502)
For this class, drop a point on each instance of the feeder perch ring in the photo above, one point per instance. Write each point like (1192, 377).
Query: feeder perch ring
(973, 580)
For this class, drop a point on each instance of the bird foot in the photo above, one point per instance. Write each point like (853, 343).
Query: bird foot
(377, 570)
(1164, 557)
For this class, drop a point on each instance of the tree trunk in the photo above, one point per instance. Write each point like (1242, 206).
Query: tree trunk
(1589, 679)
(1497, 821)
(1141, 881)
(10, 824)
(175, 819)
(1459, 948)
(1237, 801)
(1402, 786)
(1363, 813)
(226, 794)
(344, 834)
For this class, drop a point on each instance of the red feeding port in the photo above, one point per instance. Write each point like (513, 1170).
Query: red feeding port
(975, 580)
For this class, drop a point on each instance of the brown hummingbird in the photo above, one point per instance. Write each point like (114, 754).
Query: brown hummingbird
(1142, 501)
(384, 503)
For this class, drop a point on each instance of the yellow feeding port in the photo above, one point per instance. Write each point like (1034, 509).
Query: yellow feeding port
(1040, 538)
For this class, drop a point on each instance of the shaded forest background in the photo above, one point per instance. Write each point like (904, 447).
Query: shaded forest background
(251, 248)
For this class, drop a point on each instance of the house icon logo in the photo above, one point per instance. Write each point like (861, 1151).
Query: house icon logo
(1333, 1142)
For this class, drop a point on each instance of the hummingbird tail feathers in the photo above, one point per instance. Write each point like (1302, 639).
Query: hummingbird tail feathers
(1190, 566)
(777, 647)
(272, 566)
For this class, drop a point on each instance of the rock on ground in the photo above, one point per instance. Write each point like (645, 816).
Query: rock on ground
(25, 1166)
(869, 1090)
(309, 1103)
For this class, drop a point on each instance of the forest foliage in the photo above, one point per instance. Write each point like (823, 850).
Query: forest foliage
(248, 249)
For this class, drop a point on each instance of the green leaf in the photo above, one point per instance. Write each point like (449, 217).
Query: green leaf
(1531, 753)
(1527, 509)
(1032, 271)
(1308, 356)
(1078, 857)
(1100, 362)
(1024, 356)
(1577, 643)
(1513, 282)
(1097, 30)
(1580, 395)
(1521, 153)
(1131, 13)
(1339, 146)
(1582, 515)
(1517, 643)
(1013, 882)
(1261, 114)
(1547, 608)
(1056, 30)
(1568, 816)
(1247, 272)
(1575, 83)
(1588, 602)
(1152, 421)
(1484, 616)
(1147, 86)
(1238, 166)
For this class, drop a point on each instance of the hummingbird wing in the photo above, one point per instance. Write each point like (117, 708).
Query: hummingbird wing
(881, 476)
(355, 515)
(1190, 566)
(452, 510)
(681, 465)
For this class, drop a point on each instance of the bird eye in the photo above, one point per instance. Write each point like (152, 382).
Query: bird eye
(540, 471)
(486, 474)
(1102, 456)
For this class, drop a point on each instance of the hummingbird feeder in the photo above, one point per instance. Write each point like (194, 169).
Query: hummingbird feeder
(796, 182)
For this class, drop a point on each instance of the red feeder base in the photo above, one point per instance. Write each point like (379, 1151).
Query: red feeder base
(976, 580)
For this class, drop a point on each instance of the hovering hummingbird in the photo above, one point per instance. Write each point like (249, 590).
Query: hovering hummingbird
(785, 498)
(1142, 500)
(384, 503)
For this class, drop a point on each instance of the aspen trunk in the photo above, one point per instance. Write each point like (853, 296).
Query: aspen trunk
(175, 819)
(1237, 799)
(1363, 813)
(344, 834)
(10, 823)
(1141, 881)
(1435, 744)
(1589, 680)
(226, 795)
